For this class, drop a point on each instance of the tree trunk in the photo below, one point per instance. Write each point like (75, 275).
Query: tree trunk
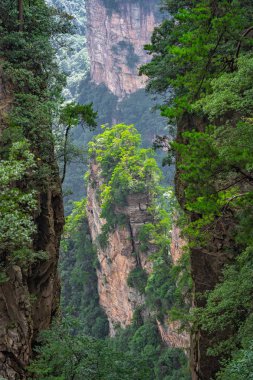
(65, 153)
(20, 15)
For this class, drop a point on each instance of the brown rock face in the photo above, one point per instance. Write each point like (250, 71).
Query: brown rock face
(119, 257)
(177, 244)
(170, 331)
(29, 299)
(172, 337)
(115, 43)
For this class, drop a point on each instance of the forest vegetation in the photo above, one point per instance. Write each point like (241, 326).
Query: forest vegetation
(204, 53)
(202, 67)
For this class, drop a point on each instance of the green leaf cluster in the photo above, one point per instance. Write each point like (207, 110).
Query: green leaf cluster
(141, 339)
(31, 87)
(29, 67)
(126, 169)
(202, 58)
(78, 264)
(16, 204)
(66, 355)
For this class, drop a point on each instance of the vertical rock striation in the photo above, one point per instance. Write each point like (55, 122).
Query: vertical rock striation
(29, 299)
(120, 256)
(171, 332)
(172, 336)
(116, 38)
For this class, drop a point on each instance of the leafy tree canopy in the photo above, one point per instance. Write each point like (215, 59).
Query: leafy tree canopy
(202, 55)
(66, 355)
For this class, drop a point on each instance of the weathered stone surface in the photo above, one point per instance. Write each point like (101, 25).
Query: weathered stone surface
(120, 256)
(115, 43)
(173, 336)
(177, 244)
(29, 298)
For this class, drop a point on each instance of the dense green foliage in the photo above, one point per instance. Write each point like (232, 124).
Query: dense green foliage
(138, 279)
(203, 54)
(16, 225)
(162, 285)
(29, 67)
(66, 355)
(30, 86)
(72, 115)
(78, 274)
(142, 340)
(126, 169)
(136, 108)
(191, 48)
(117, 146)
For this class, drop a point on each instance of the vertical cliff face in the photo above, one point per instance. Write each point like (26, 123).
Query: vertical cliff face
(177, 244)
(171, 332)
(172, 337)
(115, 43)
(29, 297)
(120, 256)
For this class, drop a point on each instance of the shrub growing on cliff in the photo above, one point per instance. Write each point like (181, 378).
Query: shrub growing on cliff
(16, 205)
(138, 279)
(125, 167)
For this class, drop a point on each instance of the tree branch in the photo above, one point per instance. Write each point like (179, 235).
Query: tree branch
(240, 42)
(65, 158)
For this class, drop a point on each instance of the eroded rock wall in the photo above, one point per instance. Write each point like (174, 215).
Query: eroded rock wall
(29, 299)
(172, 335)
(171, 332)
(120, 256)
(116, 38)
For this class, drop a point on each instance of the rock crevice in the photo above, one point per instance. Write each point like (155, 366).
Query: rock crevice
(119, 257)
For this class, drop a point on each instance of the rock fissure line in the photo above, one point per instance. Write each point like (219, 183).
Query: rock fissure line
(134, 250)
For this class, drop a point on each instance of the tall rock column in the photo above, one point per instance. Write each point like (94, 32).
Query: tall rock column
(116, 35)
(29, 297)
(120, 256)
